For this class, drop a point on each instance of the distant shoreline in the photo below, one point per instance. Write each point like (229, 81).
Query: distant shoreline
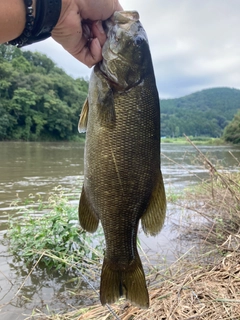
(165, 140)
(195, 140)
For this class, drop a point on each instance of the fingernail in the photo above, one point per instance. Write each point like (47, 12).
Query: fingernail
(99, 26)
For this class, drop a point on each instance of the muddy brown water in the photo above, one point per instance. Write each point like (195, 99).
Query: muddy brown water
(28, 168)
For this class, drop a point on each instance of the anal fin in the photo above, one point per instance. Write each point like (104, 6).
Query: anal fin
(87, 218)
(154, 216)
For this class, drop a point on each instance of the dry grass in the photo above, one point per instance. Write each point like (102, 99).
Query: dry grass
(217, 201)
(185, 291)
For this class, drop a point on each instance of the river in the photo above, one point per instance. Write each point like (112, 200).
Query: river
(28, 168)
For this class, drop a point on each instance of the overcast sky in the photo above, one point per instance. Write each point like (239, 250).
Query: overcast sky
(195, 44)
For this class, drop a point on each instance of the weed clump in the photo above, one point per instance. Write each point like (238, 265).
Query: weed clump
(55, 236)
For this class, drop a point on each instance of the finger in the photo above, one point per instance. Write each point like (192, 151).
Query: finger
(89, 54)
(98, 32)
(95, 51)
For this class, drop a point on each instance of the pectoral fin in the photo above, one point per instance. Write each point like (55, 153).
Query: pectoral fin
(153, 218)
(87, 218)
(82, 124)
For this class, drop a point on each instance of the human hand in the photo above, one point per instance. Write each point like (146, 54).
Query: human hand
(79, 28)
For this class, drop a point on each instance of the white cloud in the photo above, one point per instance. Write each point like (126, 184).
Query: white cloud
(194, 44)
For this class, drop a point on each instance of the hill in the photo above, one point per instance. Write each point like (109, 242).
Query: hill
(206, 112)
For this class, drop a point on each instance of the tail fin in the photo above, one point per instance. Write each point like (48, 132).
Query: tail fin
(130, 283)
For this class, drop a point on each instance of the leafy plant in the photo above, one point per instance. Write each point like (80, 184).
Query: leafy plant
(55, 234)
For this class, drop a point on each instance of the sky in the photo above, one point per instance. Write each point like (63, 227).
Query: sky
(195, 44)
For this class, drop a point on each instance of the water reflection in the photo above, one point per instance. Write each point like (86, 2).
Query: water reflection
(43, 289)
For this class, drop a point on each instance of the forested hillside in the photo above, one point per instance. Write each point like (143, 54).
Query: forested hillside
(38, 100)
(202, 113)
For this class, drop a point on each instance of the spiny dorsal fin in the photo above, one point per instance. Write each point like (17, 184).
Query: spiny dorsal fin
(153, 218)
(82, 124)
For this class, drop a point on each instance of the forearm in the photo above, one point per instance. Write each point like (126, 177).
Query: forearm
(12, 19)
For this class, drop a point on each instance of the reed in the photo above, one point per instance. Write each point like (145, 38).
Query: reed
(216, 201)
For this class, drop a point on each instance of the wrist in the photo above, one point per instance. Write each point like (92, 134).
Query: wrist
(41, 17)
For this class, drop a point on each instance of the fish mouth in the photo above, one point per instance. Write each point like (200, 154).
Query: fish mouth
(123, 18)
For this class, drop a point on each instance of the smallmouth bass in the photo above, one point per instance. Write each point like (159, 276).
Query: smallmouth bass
(122, 177)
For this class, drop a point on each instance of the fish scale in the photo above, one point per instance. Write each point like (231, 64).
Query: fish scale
(122, 178)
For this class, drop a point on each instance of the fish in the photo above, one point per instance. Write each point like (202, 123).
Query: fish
(123, 183)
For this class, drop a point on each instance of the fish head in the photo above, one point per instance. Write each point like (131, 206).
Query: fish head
(126, 50)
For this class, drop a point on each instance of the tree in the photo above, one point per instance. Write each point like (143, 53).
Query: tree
(37, 99)
(21, 64)
(232, 130)
(20, 108)
(40, 61)
(8, 53)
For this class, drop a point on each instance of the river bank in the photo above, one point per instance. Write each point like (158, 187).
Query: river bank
(196, 140)
(204, 283)
(201, 291)
(181, 169)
